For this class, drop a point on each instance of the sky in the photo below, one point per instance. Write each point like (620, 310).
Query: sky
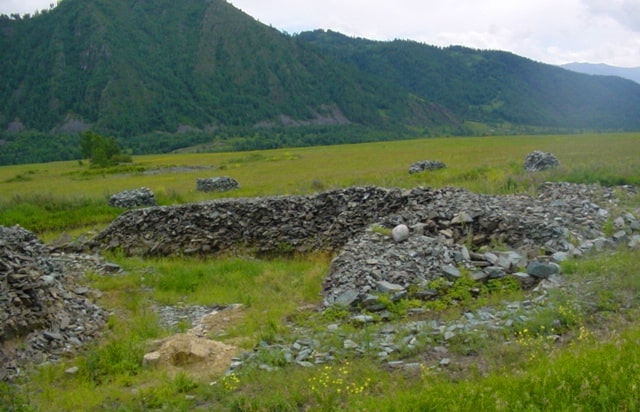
(548, 31)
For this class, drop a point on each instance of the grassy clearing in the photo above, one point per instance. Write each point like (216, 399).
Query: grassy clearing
(593, 365)
(41, 197)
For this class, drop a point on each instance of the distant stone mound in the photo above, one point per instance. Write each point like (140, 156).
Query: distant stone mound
(217, 184)
(133, 198)
(539, 160)
(424, 165)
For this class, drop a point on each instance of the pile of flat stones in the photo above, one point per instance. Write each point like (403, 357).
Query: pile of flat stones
(129, 199)
(390, 242)
(45, 313)
(217, 184)
(267, 225)
(424, 165)
(434, 234)
(538, 160)
(489, 237)
(562, 218)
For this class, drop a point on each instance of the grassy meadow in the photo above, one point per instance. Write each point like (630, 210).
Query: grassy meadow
(70, 196)
(594, 366)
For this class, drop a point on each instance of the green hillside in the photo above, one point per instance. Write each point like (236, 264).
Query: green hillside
(133, 67)
(492, 86)
(164, 75)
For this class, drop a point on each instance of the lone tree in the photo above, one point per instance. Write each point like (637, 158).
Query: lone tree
(102, 151)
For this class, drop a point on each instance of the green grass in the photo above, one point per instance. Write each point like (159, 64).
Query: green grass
(268, 289)
(592, 366)
(40, 197)
(45, 214)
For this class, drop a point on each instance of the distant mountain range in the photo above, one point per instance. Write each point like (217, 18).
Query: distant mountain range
(164, 74)
(631, 73)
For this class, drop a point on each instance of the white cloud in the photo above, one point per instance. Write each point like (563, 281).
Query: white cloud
(551, 31)
(24, 6)
(626, 12)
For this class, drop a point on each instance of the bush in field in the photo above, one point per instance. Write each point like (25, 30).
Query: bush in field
(103, 151)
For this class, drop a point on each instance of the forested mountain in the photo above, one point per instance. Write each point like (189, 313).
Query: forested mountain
(492, 86)
(129, 67)
(164, 74)
(631, 73)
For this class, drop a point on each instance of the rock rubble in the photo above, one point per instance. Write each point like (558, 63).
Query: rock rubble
(386, 241)
(424, 165)
(446, 231)
(538, 160)
(45, 313)
(436, 233)
(129, 199)
(217, 184)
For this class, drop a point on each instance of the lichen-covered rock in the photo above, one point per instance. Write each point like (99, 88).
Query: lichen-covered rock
(217, 184)
(539, 160)
(129, 199)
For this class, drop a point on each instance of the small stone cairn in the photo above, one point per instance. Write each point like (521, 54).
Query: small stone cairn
(133, 198)
(424, 165)
(217, 184)
(539, 160)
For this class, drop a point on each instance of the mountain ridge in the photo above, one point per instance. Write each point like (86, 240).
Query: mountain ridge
(164, 75)
(601, 69)
(490, 85)
(202, 64)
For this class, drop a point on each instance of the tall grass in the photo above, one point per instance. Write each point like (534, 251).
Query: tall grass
(269, 290)
(43, 213)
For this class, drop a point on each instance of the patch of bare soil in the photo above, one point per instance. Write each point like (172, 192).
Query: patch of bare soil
(194, 352)
(199, 357)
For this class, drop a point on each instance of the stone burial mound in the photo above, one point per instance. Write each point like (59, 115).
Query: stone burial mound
(45, 313)
(448, 229)
(278, 224)
(488, 236)
(425, 165)
(129, 199)
(538, 160)
(217, 184)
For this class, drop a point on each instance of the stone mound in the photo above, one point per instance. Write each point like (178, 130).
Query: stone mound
(424, 165)
(217, 184)
(129, 199)
(560, 216)
(539, 160)
(44, 313)
(563, 220)
(279, 224)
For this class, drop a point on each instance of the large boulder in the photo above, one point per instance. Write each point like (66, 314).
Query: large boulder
(217, 184)
(539, 160)
(129, 199)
